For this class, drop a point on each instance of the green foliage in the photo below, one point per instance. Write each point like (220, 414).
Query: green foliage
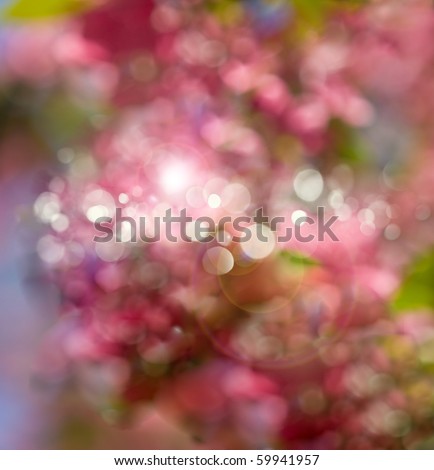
(228, 12)
(347, 143)
(41, 9)
(298, 259)
(312, 15)
(417, 290)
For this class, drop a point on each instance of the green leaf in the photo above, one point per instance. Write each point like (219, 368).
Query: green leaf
(296, 258)
(62, 121)
(348, 144)
(417, 290)
(312, 13)
(228, 12)
(33, 10)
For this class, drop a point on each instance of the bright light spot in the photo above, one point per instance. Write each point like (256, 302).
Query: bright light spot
(175, 178)
(296, 215)
(308, 185)
(95, 212)
(98, 203)
(214, 201)
(218, 261)
(123, 198)
(60, 223)
(47, 207)
(261, 243)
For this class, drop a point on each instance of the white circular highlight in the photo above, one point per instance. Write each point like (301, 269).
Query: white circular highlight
(261, 244)
(214, 201)
(218, 261)
(308, 185)
(296, 217)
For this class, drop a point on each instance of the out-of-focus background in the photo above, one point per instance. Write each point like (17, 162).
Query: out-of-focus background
(220, 107)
